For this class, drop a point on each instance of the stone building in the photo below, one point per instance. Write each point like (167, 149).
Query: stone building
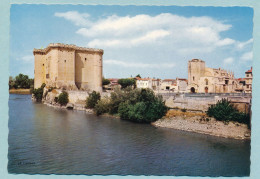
(68, 66)
(144, 83)
(248, 81)
(169, 85)
(202, 79)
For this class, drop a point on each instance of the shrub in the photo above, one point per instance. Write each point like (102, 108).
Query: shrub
(92, 99)
(225, 111)
(102, 106)
(145, 109)
(63, 98)
(38, 93)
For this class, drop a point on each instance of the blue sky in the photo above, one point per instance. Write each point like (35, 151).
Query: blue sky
(154, 41)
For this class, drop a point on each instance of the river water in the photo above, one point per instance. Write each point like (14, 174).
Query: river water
(45, 140)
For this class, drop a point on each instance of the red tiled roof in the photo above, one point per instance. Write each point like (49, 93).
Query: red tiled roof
(249, 71)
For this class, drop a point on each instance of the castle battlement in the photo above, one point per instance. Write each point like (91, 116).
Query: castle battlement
(67, 46)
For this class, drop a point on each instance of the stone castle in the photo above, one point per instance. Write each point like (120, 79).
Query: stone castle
(68, 67)
(202, 79)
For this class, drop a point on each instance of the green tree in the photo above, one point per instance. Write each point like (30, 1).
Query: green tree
(12, 83)
(145, 108)
(105, 82)
(139, 76)
(125, 82)
(92, 99)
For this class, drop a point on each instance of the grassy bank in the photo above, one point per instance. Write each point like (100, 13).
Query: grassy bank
(19, 91)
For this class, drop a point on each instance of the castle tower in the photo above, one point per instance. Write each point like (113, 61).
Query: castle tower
(68, 66)
(196, 69)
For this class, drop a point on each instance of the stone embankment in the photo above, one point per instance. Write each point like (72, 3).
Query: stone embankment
(199, 123)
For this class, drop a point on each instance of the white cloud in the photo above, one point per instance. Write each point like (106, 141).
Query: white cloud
(116, 31)
(152, 41)
(228, 61)
(138, 64)
(241, 45)
(75, 17)
(27, 58)
(248, 56)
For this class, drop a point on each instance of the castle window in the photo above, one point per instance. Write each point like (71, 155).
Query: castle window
(226, 82)
(42, 64)
(47, 76)
(193, 78)
(65, 61)
(85, 59)
(207, 81)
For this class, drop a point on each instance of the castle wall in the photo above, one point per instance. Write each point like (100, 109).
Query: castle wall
(89, 71)
(39, 70)
(66, 69)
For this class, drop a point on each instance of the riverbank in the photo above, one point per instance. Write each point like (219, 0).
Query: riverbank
(19, 91)
(193, 121)
(200, 123)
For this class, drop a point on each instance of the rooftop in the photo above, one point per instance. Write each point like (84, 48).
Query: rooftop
(68, 46)
(249, 71)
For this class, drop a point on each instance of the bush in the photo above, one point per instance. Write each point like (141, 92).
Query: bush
(92, 99)
(102, 106)
(145, 109)
(63, 98)
(38, 93)
(225, 111)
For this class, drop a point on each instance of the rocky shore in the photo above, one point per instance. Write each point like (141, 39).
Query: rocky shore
(204, 125)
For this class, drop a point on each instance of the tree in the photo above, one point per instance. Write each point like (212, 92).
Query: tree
(105, 81)
(92, 99)
(21, 81)
(139, 76)
(12, 83)
(125, 82)
(146, 107)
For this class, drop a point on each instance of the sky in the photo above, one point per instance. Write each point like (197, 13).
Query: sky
(153, 41)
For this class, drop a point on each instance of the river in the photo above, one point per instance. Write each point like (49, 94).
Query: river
(46, 140)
